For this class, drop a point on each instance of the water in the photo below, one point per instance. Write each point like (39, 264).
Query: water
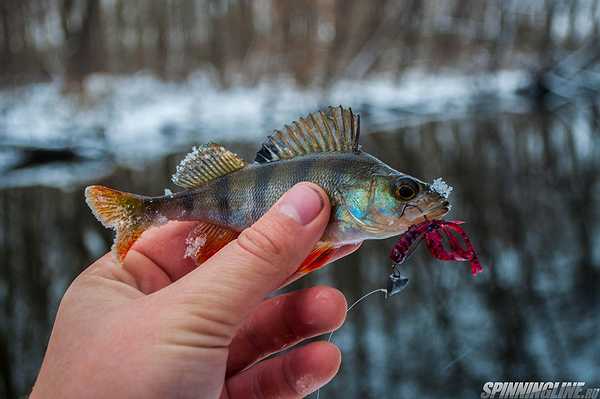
(500, 98)
(526, 182)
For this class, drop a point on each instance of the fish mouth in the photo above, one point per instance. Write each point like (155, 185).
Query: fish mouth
(438, 211)
(438, 208)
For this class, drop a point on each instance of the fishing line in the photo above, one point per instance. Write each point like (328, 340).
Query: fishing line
(467, 352)
(458, 358)
(359, 300)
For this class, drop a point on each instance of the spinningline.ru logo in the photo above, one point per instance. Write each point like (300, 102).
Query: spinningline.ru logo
(544, 390)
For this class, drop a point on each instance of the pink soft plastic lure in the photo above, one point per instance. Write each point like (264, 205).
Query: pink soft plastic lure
(431, 231)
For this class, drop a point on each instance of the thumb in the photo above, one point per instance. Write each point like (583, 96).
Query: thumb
(235, 280)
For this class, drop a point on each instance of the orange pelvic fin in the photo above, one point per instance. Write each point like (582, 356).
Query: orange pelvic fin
(319, 256)
(206, 239)
(322, 253)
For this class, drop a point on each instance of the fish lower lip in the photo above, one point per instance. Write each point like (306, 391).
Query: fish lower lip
(440, 210)
(443, 205)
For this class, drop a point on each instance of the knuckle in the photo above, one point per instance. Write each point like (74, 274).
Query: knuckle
(259, 243)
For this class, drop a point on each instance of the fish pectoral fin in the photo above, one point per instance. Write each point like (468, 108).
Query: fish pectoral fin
(205, 163)
(321, 254)
(206, 239)
(335, 129)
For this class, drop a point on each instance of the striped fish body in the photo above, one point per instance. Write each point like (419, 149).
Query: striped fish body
(225, 195)
(239, 199)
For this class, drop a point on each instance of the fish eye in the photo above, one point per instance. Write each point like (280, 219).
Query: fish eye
(406, 189)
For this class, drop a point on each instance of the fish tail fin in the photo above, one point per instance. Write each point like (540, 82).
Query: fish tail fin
(120, 211)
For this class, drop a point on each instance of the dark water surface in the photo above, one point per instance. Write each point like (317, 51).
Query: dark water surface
(449, 89)
(526, 183)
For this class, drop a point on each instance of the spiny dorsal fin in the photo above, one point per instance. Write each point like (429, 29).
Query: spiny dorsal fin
(205, 163)
(336, 129)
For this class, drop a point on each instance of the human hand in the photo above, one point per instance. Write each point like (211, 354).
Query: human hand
(160, 327)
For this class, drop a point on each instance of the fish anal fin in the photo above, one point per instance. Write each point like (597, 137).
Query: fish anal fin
(124, 241)
(206, 239)
(205, 163)
(335, 129)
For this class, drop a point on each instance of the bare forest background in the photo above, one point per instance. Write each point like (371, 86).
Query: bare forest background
(498, 97)
(315, 42)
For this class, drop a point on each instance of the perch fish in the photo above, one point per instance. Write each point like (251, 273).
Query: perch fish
(224, 194)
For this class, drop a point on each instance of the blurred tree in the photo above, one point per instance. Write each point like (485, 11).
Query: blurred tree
(313, 42)
(81, 24)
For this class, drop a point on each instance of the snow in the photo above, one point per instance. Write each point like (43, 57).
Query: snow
(441, 187)
(160, 219)
(131, 119)
(193, 245)
(140, 116)
(186, 164)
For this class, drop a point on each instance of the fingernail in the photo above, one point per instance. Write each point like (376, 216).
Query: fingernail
(302, 203)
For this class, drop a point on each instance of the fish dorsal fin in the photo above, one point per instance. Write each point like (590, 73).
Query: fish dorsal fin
(205, 163)
(335, 129)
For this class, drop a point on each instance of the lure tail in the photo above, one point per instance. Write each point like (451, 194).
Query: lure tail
(122, 212)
